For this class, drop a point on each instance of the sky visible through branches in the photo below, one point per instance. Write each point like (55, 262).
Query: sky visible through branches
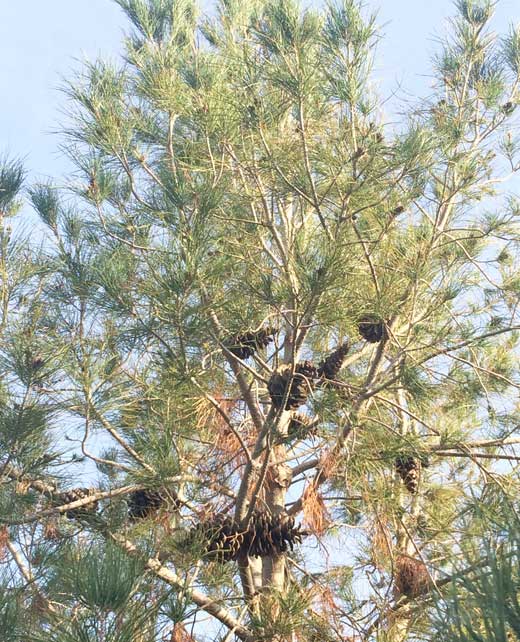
(41, 43)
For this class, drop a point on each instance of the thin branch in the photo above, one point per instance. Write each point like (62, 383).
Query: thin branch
(206, 603)
(85, 501)
(28, 576)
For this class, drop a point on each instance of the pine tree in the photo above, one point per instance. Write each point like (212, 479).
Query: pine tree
(263, 323)
(480, 600)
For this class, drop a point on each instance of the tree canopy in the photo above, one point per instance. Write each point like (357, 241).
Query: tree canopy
(259, 353)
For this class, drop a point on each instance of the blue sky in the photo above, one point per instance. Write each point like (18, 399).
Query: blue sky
(42, 41)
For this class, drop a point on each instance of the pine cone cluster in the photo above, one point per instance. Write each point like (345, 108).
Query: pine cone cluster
(271, 534)
(245, 345)
(373, 329)
(266, 535)
(409, 469)
(222, 536)
(306, 377)
(298, 385)
(72, 495)
(330, 367)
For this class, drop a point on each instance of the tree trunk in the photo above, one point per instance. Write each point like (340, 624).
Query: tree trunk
(278, 481)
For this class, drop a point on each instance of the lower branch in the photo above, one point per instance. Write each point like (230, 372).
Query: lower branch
(200, 599)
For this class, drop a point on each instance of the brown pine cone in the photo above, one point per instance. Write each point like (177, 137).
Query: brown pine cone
(299, 426)
(300, 384)
(409, 469)
(373, 329)
(72, 495)
(144, 503)
(245, 345)
(266, 535)
(330, 367)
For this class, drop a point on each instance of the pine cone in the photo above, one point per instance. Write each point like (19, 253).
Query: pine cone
(291, 534)
(224, 541)
(143, 503)
(245, 345)
(264, 337)
(508, 108)
(303, 380)
(299, 385)
(37, 363)
(398, 209)
(409, 469)
(329, 369)
(257, 535)
(373, 329)
(72, 495)
(271, 534)
(266, 535)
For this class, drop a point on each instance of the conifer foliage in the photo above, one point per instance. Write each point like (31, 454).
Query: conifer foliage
(239, 332)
